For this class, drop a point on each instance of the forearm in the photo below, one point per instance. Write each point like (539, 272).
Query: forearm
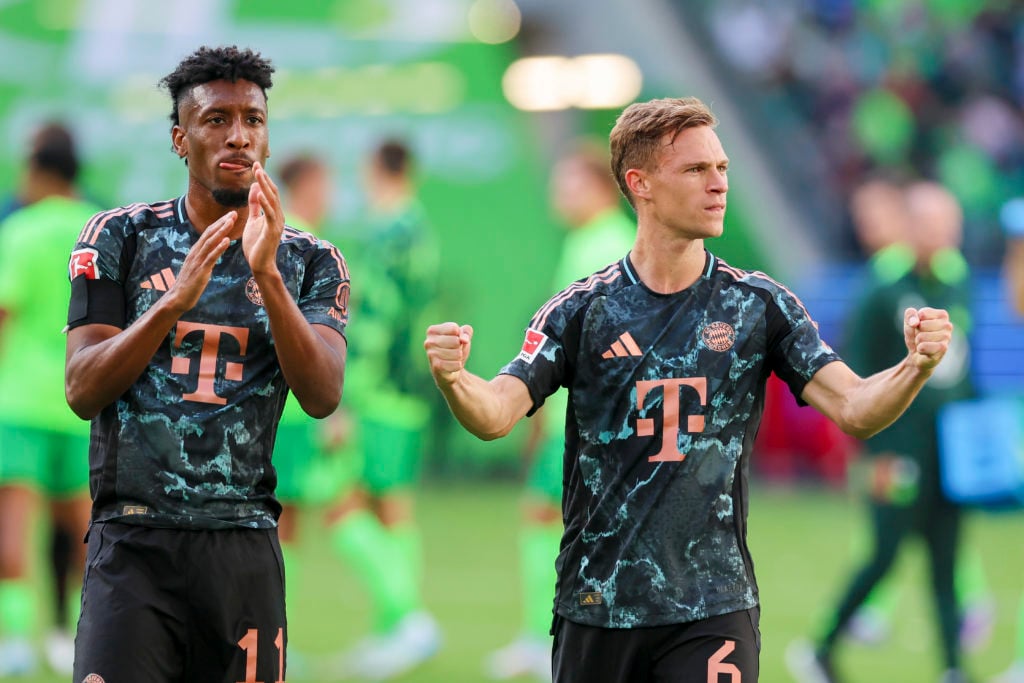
(313, 369)
(878, 401)
(103, 362)
(487, 410)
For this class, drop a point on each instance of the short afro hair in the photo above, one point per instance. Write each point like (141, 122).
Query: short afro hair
(215, 64)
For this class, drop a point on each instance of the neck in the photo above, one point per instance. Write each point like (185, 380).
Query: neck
(667, 265)
(41, 187)
(391, 197)
(203, 210)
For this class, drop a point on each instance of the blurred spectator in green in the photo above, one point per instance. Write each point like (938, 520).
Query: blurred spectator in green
(586, 198)
(905, 496)
(373, 526)
(44, 447)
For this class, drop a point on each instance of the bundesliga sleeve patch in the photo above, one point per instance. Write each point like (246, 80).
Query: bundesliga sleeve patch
(83, 262)
(532, 345)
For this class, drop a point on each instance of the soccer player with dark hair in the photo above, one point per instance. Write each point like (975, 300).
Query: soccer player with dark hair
(190, 320)
(373, 524)
(665, 354)
(43, 445)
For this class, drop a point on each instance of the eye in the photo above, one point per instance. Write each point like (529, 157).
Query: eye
(216, 119)
(255, 120)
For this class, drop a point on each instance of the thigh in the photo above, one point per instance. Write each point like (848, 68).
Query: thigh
(720, 649)
(236, 587)
(132, 627)
(24, 456)
(392, 454)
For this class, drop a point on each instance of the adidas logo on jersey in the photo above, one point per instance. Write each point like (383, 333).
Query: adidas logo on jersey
(161, 281)
(624, 346)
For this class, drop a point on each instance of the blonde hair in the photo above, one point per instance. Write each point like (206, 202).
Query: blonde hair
(636, 138)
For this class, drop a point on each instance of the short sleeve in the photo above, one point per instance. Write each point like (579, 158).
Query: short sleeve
(796, 350)
(324, 297)
(97, 269)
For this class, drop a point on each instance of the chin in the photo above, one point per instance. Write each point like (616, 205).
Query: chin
(231, 198)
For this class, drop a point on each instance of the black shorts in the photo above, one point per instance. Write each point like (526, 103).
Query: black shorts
(722, 649)
(181, 606)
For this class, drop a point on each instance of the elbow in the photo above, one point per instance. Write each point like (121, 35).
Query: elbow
(860, 432)
(860, 428)
(323, 406)
(320, 411)
(490, 434)
(79, 405)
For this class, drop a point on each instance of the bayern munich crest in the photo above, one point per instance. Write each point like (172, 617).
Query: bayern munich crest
(719, 336)
(93, 678)
(253, 292)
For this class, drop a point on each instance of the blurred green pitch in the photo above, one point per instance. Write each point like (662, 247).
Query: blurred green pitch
(800, 541)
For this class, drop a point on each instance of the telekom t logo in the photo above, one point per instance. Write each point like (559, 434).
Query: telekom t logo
(670, 409)
(182, 365)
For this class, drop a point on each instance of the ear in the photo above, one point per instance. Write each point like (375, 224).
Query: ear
(179, 143)
(638, 183)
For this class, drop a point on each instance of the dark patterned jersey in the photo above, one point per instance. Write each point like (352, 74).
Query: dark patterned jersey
(189, 444)
(666, 393)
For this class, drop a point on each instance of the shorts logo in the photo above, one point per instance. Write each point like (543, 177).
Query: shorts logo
(93, 678)
(590, 599)
(719, 336)
(253, 292)
(532, 345)
(83, 262)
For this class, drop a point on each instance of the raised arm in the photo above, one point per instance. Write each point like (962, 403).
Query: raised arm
(487, 409)
(312, 357)
(863, 407)
(102, 361)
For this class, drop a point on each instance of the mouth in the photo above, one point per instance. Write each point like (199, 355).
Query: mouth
(235, 164)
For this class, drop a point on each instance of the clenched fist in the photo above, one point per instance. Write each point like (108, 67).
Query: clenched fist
(927, 332)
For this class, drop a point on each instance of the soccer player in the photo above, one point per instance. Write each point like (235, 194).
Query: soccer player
(372, 525)
(189, 322)
(305, 184)
(587, 200)
(905, 493)
(43, 445)
(665, 354)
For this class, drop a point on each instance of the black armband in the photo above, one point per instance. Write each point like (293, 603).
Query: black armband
(96, 301)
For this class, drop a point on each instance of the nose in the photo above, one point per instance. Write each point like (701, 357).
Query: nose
(718, 181)
(238, 134)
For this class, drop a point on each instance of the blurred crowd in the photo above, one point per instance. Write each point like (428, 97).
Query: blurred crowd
(928, 88)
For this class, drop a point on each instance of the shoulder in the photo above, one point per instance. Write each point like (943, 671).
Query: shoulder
(308, 247)
(759, 284)
(577, 296)
(116, 224)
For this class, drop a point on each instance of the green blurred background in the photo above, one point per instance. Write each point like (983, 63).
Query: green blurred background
(349, 72)
(352, 71)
